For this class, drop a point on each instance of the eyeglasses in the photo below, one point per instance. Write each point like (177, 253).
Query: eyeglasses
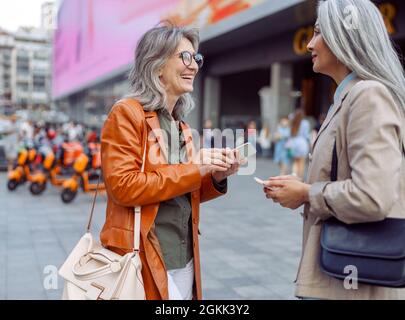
(187, 58)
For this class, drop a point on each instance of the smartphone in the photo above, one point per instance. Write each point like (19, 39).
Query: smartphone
(259, 181)
(246, 150)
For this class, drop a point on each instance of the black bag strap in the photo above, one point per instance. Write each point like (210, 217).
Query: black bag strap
(333, 171)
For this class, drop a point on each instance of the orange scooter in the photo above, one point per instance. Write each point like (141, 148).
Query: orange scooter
(22, 171)
(53, 167)
(80, 179)
(39, 180)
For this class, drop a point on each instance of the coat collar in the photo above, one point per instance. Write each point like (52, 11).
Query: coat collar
(335, 108)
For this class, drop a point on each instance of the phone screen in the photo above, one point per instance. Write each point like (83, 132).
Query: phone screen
(246, 150)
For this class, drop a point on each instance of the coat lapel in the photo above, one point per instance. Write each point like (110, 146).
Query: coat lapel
(153, 121)
(335, 109)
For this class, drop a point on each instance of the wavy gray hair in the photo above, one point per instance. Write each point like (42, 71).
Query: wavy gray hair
(151, 54)
(355, 32)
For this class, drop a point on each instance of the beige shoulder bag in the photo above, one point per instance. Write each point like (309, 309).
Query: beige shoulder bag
(92, 272)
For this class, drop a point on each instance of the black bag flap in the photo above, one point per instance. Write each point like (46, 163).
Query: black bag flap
(383, 239)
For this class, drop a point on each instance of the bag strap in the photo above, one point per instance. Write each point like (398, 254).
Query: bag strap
(137, 209)
(92, 207)
(333, 171)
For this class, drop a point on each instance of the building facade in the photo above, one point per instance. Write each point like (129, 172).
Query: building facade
(256, 65)
(7, 84)
(25, 69)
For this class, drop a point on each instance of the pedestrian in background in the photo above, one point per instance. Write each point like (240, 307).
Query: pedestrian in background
(281, 137)
(11, 142)
(367, 124)
(298, 144)
(252, 133)
(265, 141)
(176, 178)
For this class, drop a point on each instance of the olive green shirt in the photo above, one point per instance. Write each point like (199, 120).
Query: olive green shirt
(173, 221)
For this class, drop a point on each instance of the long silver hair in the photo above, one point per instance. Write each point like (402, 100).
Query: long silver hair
(153, 50)
(355, 32)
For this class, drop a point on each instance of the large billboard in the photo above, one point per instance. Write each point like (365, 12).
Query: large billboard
(97, 37)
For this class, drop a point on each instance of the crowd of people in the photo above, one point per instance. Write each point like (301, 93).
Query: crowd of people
(42, 136)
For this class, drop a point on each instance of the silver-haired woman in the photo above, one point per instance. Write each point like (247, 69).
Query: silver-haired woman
(351, 45)
(176, 178)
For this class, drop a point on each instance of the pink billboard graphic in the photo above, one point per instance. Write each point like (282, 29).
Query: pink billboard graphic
(97, 37)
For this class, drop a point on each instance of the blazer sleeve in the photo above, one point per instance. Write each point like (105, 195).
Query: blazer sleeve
(122, 143)
(373, 140)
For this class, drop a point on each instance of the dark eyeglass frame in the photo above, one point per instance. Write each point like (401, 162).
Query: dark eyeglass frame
(187, 56)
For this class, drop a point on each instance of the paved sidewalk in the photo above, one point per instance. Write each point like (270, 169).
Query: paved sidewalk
(249, 246)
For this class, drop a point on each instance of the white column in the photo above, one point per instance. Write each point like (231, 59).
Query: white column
(212, 96)
(276, 101)
(193, 118)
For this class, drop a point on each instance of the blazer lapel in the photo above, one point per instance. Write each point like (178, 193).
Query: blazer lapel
(153, 121)
(335, 109)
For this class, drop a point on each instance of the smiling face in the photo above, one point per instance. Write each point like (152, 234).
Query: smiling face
(324, 61)
(177, 78)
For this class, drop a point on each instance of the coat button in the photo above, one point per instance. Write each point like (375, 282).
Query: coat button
(310, 156)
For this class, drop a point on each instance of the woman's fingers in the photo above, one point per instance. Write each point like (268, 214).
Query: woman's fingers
(219, 162)
(286, 177)
(222, 154)
(271, 194)
(275, 183)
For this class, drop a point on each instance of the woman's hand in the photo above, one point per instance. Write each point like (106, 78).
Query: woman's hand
(288, 191)
(213, 160)
(234, 156)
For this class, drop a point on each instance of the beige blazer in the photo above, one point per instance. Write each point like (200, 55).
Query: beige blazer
(369, 129)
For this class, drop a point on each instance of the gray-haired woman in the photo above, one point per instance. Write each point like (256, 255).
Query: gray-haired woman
(352, 46)
(176, 178)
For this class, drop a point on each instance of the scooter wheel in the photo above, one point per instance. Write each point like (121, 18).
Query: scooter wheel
(12, 184)
(68, 195)
(37, 188)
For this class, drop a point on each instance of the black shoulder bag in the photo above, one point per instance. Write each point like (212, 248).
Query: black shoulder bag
(376, 249)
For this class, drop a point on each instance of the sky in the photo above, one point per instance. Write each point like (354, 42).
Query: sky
(15, 13)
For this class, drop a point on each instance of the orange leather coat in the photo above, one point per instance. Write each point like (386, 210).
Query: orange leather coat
(122, 140)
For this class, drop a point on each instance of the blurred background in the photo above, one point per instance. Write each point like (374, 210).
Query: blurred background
(63, 64)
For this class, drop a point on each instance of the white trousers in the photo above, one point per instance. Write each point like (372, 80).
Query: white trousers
(181, 281)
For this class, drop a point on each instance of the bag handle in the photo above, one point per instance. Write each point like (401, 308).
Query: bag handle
(92, 207)
(137, 209)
